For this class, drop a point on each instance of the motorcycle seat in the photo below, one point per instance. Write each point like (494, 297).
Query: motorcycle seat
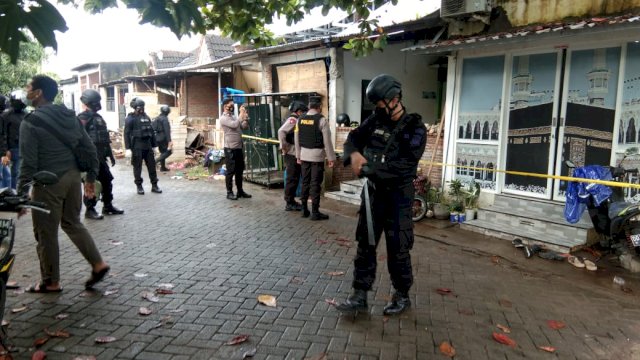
(621, 208)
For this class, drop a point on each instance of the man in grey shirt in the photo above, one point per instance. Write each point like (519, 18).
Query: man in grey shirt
(232, 127)
(313, 145)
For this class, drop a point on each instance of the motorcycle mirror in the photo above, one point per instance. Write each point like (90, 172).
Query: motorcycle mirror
(570, 164)
(45, 178)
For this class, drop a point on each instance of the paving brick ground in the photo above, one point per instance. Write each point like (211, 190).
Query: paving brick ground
(220, 255)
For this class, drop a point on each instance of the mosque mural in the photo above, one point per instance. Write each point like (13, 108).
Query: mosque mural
(479, 119)
(590, 113)
(628, 135)
(530, 121)
(483, 157)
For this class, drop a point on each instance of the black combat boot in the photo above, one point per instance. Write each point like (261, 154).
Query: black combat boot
(91, 213)
(230, 196)
(293, 206)
(355, 303)
(140, 189)
(109, 209)
(156, 189)
(305, 210)
(399, 303)
(317, 215)
(242, 194)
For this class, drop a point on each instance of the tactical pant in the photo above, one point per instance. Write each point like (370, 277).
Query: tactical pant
(234, 160)
(312, 176)
(15, 166)
(137, 155)
(106, 180)
(293, 178)
(64, 199)
(163, 146)
(391, 210)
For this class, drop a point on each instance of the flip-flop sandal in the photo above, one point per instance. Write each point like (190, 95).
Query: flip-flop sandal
(590, 265)
(96, 277)
(517, 243)
(41, 289)
(575, 261)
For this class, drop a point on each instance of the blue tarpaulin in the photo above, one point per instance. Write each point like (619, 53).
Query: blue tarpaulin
(227, 92)
(578, 193)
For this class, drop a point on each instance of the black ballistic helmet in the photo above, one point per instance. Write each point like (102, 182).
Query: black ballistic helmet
(18, 99)
(91, 98)
(383, 87)
(164, 109)
(343, 119)
(298, 105)
(136, 103)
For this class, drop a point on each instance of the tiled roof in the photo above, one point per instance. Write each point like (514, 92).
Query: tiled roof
(565, 27)
(192, 59)
(218, 46)
(166, 59)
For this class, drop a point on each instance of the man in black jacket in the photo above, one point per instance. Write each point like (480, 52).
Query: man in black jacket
(97, 130)
(10, 133)
(140, 140)
(162, 130)
(386, 149)
(41, 150)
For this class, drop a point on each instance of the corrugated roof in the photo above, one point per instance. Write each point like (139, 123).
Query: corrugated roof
(532, 32)
(166, 59)
(219, 47)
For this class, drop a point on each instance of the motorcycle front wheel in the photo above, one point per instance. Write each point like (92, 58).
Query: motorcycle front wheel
(419, 208)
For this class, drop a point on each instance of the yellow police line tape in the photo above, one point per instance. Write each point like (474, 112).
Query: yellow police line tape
(538, 175)
(510, 172)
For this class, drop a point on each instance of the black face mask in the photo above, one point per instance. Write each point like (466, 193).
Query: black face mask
(381, 113)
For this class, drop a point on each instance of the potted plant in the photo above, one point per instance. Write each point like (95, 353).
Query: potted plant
(456, 193)
(440, 206)
(471, 195)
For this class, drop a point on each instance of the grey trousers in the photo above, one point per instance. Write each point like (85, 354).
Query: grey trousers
(64, 199)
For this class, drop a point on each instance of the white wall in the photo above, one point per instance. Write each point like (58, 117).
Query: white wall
(411, 70)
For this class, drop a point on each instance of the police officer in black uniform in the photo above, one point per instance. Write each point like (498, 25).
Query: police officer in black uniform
(286, 137)
(139, 138)
(162, 130)
(10, 128)
(97, 130)
(386, 149)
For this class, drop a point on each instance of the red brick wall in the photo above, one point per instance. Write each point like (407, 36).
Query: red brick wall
(202, 97)
(341, 173)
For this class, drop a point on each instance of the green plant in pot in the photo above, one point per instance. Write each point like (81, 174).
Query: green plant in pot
(471, 196)
(457, 195)
(440, 205)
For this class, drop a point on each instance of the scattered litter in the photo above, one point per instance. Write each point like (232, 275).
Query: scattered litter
(504, 339)
(165, 286)
(547, 348)
(62, 316)
(58, 333)
(116, 243)
(504, 329)
(211, 245)
(5, 322)
(447, 350)
(39, 342)
(556, 325)
(105, 339)
(335, 273)
(237, 340)
(331, 302)
(267, 300)
(38, 355)
(619, 280)
(176, 177)
(163, 291)
(144, 311)
(140, 275)
(20, 309)
(150, 296)
(110, 292)
(249, 353)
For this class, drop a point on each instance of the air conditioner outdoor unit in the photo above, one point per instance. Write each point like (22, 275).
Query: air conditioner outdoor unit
(458, 8)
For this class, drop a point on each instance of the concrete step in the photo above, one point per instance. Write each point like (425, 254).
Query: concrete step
(547, 210)
(348, 197)
(529, 234)
(351, 186)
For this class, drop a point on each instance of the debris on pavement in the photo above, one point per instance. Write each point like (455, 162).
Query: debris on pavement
(447, 350)
(267, 300)
(504, 339)
(237, 340)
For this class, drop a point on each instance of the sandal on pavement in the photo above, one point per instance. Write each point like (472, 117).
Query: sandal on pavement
(96, 277)
(41, 289)
(517, 243)
(575, 261)
(550, 255)
(590, 265)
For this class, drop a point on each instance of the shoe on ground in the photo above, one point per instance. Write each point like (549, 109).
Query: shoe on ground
(550, 255)
(517, 243)
(231, 196)
(155, 189)
(305, 212)
(527, 251)
(400, 302)
(590, 265)
(164, 169)
(319, 216)
(293, 207)
(354, 303)
(576, 261)
(111, 210)
(243, 195)
(140, 190)
(92, 214)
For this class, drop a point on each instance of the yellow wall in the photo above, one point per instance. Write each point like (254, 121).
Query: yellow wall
(525, 12)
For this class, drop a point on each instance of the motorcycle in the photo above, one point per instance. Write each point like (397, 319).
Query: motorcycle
(614, 219)
(12, 203)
